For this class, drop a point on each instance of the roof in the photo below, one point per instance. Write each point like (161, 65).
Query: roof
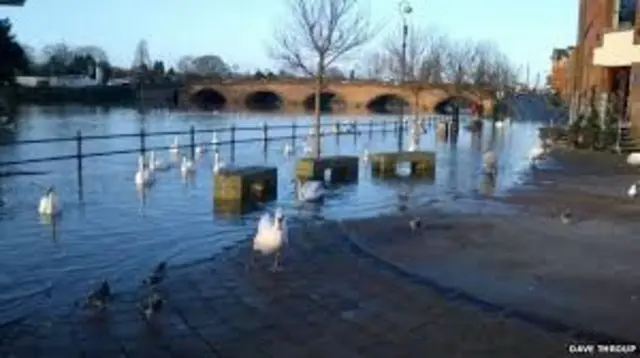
(560, 53)
(12, 2)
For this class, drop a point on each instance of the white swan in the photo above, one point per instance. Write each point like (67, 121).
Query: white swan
(490, 162)
(365, 155)
(288, 149)
(633, 189)
(311, 191)
(187, 166)
(441, 127)
(633, 158)
(271, 237)
(536, 154)
(217, 163)
(200, 149)
(156, 164)
(336, 128)
(502, 123)
(306, 149)
(214, 139)
(144, 176)
(175, 147)
(413, 146)
(49, 204)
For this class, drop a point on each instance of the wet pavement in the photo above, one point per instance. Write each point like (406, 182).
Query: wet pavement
(329, 301)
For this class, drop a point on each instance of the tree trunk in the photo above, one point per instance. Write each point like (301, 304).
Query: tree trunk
(416, 104)
(318, 102)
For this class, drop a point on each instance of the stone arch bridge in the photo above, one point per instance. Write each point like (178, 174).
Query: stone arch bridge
(345, 96)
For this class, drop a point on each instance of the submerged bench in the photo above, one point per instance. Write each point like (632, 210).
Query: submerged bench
(241, 185)
(385, 165)
(343, 168)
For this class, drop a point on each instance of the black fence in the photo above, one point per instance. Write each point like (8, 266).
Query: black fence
(354, 128)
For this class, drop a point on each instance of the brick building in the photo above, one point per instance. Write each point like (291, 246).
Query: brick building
(560, 77)
(607, 54)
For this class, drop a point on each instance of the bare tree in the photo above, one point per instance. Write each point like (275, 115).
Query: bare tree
(319, 33)
(424, 59)
(141, 58)
(460, 58)
(185, 64)
(377, 66)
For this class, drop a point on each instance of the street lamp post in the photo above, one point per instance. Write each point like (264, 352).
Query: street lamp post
(405, 10)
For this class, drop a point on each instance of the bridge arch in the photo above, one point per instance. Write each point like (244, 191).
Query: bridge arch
(209, 99)
(388, 103)
(466, 104)
(329, 102)
(264, 100)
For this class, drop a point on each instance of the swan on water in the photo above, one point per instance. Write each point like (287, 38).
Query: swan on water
(306, 149)
(288, 149)
(365, 155)
(218, 164)
(271, 237)
(144, 176)
(336, 128)
(413, 146)
(633, 158)
(187, 167)
(536, 153)
(441, 128)
(175, 147)
(214, 139)
(634, 189)
(49, 203)
(310, 191)
(490, 162)
(156, 164)
(502, 123)
(200, 150)
(352, 127)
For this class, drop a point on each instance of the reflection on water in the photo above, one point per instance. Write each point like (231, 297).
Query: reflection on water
(120, 233)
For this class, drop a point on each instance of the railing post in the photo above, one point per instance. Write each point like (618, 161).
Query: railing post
(79, 163)
(232, 140)
(338, 128)
(142, 142)
(265, 135)
(192, 139)
(384, 128)
(293, 133)
(370, 128)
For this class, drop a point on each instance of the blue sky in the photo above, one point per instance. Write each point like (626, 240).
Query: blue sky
(240, 30)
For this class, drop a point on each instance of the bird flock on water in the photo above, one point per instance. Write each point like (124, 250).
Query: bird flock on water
(271, 236)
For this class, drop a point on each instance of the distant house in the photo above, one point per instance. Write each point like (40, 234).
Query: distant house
(12, 2)
(69, 81)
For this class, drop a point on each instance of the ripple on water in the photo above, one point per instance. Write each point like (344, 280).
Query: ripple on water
(119, 234)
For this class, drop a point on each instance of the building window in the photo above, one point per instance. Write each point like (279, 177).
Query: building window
(627, 13)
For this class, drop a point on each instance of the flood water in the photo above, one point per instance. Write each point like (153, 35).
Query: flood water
(113, 234)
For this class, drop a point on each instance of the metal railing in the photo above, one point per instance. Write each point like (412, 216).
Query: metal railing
(356, 128)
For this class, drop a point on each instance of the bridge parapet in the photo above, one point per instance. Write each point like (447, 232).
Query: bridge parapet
(350, 96)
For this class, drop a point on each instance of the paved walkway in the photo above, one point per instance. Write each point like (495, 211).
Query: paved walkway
(329, 301)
